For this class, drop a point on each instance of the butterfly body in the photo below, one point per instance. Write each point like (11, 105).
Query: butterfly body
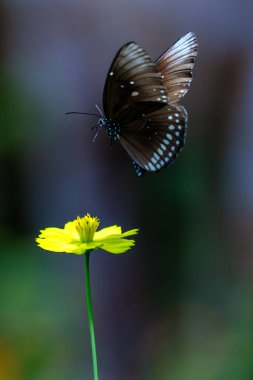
(141, 102)
(112, 128)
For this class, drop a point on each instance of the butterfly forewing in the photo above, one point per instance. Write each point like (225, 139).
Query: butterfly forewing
(155, 141)
(176, 66)
(133, 86)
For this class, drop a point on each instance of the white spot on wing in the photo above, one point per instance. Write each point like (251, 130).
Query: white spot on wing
(135, 93)
(151, 166)
(169, 136)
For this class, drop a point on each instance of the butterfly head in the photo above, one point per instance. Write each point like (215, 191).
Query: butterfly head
(112, 127)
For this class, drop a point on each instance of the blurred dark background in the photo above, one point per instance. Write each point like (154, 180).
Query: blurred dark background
(180, 304)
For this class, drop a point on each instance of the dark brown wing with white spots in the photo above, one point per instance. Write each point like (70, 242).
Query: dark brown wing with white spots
(176, 66)
(133, 86)
(155, 142)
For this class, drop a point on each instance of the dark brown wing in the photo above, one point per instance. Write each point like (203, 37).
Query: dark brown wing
(155, 141)
(133, 86)
(176, 66)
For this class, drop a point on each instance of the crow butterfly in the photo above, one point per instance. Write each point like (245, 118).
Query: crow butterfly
(141, 102)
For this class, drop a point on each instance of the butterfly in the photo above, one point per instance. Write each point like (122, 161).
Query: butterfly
(141, 102)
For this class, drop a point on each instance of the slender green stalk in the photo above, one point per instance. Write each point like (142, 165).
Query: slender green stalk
(90, 316)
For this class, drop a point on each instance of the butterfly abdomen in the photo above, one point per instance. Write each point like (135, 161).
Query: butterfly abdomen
(112, 128)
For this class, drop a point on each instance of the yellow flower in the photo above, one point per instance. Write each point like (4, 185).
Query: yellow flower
(81, 235)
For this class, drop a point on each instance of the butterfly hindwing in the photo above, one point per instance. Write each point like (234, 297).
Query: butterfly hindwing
(155, 141)
(176, 66)
(133, 86)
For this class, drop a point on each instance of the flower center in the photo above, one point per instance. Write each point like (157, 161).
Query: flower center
(86, 227)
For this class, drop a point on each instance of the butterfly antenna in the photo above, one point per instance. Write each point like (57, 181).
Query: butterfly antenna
(99, 110)
(97, 132)
(82, 113)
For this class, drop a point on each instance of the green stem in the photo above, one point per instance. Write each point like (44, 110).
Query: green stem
(90, 316)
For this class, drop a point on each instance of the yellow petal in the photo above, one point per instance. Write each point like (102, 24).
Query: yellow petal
(82, 248)
(55, 233)
(70, 227)
(105, 232)
(111, 238)
(118, 245)
(54, 245)
(130, 232)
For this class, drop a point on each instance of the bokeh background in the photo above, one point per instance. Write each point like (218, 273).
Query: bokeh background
(180, 304)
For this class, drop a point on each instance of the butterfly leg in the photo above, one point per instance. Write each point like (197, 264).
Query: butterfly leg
(138, 170)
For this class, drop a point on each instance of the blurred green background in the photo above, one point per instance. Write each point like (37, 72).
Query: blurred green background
(180, 304)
